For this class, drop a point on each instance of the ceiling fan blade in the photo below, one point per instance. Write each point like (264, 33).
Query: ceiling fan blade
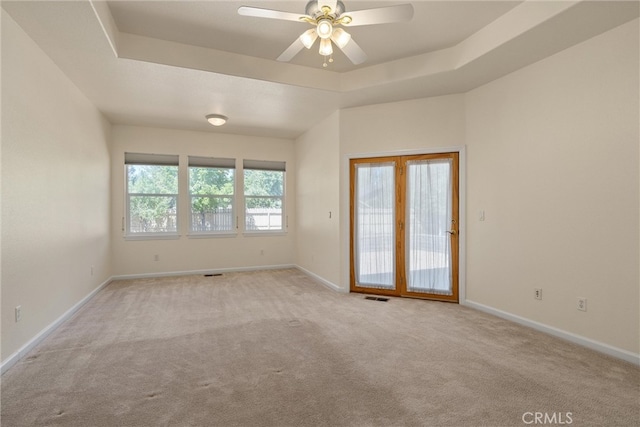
(354, 52)
(331, 3)
(268, 13)
(382, 15)
(291, 51)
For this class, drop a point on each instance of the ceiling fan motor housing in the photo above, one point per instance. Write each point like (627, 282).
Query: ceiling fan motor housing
(314, 11)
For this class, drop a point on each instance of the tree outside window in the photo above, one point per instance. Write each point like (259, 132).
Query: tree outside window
(211, 188)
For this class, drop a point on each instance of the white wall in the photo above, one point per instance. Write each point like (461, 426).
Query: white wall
(426, 123)
(55, 191)
(195, 254)
(553, 162)
(318, 201)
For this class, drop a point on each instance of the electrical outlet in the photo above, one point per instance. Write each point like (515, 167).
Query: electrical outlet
(156, 257)
(537, 293)
(18, 313)
(582, 304)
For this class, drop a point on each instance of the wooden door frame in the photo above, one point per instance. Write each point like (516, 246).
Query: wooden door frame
(398, 274)
(346, 212)
(455, 196)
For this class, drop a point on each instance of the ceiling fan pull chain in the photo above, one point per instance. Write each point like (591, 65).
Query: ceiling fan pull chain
(325, 60)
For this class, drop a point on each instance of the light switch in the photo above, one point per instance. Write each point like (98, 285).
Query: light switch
(481, 216)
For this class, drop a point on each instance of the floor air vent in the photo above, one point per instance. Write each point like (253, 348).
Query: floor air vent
(377, 299)
(211, 275)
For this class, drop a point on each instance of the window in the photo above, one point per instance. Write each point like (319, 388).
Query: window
(211, 189)
(152, 194)
(264, 195)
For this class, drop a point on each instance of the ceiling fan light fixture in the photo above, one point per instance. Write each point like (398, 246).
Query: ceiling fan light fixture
(324, 28)
(308, 38)
(216, 119)
(340, 37)
(325, 47)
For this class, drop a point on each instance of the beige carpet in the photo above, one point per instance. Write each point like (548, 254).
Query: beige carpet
(274, 348)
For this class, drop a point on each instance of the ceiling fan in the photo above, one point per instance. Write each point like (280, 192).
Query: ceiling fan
(327, 17)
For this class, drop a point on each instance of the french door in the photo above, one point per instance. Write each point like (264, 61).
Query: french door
(404, 226)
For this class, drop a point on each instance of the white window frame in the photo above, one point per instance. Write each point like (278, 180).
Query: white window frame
(149, 160)
(265, 165)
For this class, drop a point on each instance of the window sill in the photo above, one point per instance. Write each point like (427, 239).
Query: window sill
(264, 233)
(152, 236)
(211, 235)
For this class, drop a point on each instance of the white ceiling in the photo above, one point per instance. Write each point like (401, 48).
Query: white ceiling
(169, 63)
(216, 25)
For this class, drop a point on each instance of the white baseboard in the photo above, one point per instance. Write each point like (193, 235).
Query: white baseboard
(193, 272)
(22, 351)
(577, 339)
(326, 283)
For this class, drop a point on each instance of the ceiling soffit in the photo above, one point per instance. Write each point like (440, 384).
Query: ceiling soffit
(511, 28)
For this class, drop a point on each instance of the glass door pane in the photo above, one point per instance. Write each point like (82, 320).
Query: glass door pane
(429, 222)
(374, 228)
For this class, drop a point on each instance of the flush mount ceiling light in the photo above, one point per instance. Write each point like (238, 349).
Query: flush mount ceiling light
(216, 119)
(325, 16)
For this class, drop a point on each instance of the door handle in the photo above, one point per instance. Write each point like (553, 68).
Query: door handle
(452, 232)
